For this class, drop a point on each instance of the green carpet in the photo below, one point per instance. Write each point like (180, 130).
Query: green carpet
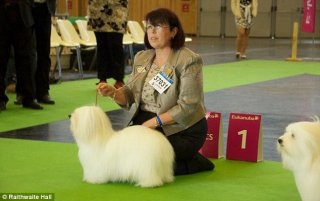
(68, 96)
(48, 167)
(226, 75)
(72, 94)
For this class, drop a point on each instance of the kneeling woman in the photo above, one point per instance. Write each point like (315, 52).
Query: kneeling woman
(166, 89)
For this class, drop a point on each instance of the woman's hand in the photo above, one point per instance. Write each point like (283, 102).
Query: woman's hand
(117, 95)
(151, 123)
(104, 89)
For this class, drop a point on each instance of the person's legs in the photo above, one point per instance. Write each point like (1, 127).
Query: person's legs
(102, 55)
(186, 145)
(23, 42)
(240, 40)
(110, 57)
(116, 67)
(245, 41)
(42, 26)
(10, 78)
(4, 52)
(23, 54)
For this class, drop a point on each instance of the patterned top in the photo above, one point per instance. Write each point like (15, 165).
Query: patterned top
(108, 15)
(245, 20)
(148, 101)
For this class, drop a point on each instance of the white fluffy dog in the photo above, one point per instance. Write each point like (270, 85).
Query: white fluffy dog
(135, 154)
(300, 150)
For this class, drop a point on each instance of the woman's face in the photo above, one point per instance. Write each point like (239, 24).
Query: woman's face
(160, 35)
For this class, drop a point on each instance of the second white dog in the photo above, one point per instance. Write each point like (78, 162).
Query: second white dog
(135, 154)
(300, 150)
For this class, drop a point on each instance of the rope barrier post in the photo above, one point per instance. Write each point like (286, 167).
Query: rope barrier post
(294, 43)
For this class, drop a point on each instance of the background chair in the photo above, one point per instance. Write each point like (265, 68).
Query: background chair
(136, 31)
(71, 39)
(89, 37)
(188, 39)
(137, 34)
(55, 42)
(128, 42)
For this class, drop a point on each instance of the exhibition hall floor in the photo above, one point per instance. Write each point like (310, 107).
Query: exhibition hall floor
(219, 53)
(38, 153)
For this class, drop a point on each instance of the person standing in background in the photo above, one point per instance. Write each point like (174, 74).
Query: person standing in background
(42, 11)
(108, 19)
(16, 30)
(244, 11)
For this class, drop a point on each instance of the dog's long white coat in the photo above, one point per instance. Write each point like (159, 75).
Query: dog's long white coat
(300, 150)
(135, 154)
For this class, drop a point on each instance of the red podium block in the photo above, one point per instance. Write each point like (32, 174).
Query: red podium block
(244, 138)
(213, 146)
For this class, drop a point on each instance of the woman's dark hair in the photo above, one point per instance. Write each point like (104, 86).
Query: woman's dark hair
(166, 16)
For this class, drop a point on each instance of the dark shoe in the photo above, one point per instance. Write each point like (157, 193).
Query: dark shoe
(32, 105)
(118, 84)
(199, 163)
(2, 106)
(18, 100)
(46, 100)
(53, 80)
(237, 55)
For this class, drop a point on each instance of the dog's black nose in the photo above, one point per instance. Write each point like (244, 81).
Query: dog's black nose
(280, 141)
